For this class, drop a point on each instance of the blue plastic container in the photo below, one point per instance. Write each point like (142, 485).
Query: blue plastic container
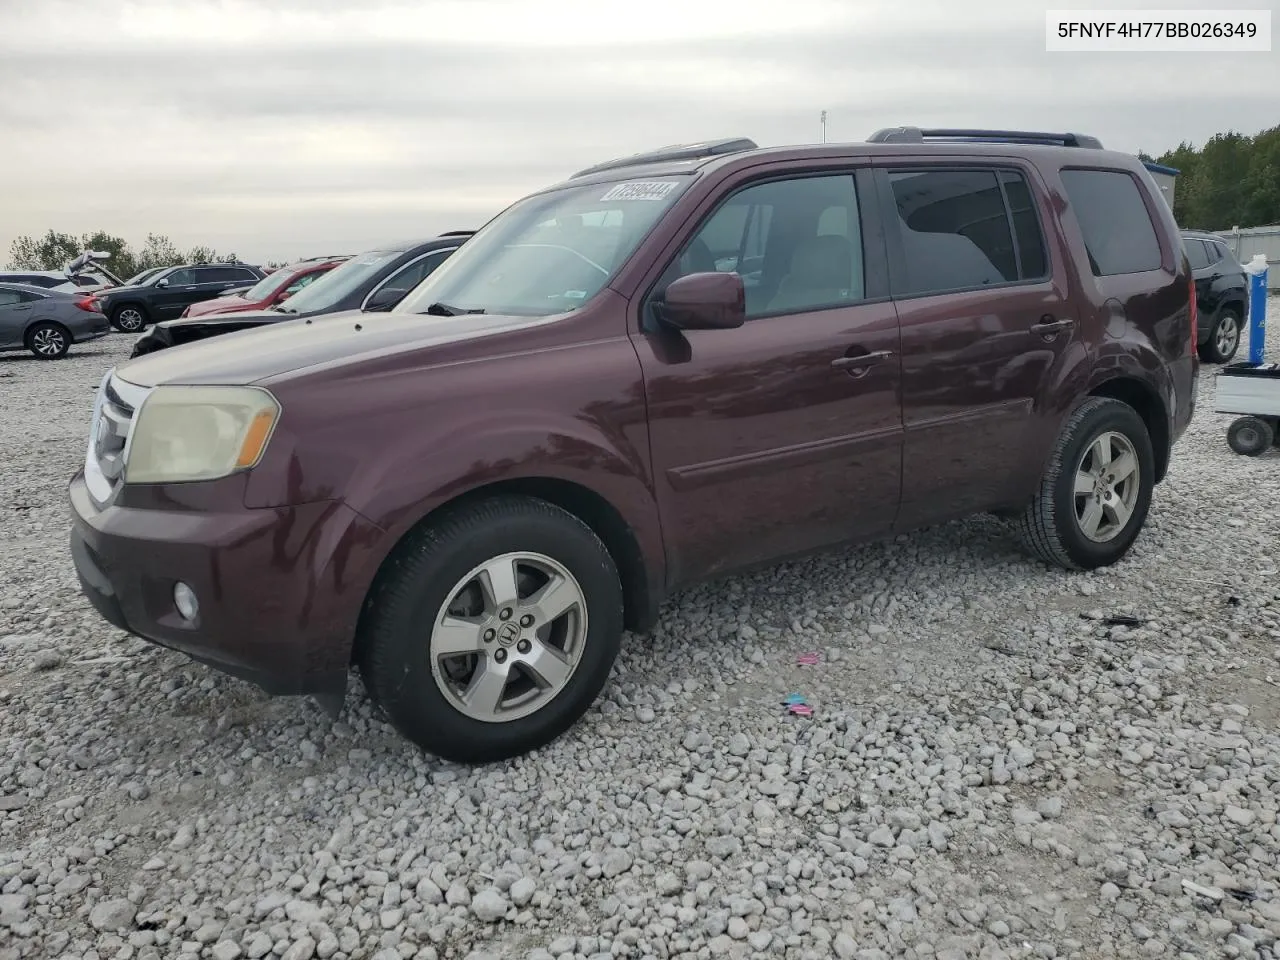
(1257, 270)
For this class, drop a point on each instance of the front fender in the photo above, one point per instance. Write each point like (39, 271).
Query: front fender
(397, 492)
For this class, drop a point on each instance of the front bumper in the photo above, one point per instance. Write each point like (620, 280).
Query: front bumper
(280, 589)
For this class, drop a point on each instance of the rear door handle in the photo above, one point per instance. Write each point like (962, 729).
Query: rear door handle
(1048, 326)
(859, 364)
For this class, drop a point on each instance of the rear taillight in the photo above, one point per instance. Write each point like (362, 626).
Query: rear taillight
(89, 304)
(1194, 312)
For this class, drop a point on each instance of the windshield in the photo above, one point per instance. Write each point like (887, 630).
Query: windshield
(325, 292)
(548, 253)
(268, 285)
(143, 277)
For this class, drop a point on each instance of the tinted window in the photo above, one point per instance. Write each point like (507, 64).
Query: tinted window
(36, 281)
(1028, 237)
(9, 297)
(1217, 251)
(795, 243)
(222, 275)
(180, 277)
(956, 230)
(1117, 229)
(1196, 253)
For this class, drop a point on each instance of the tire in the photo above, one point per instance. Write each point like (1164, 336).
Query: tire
(1053, 527)
(129, 318)
(426, 693)
(48, 340)
(1250, 436)
(1224, 338)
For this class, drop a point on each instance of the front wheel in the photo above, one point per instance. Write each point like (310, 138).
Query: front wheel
(1095, 493)
(128, 318)
(1224, 338)
(492, 631)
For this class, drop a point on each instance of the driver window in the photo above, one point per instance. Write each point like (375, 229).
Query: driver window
(796, 244)
(179, 277)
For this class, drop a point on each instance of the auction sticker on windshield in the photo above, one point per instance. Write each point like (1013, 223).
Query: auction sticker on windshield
(639, 190)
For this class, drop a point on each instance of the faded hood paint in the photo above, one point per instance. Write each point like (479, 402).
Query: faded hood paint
(249, 356)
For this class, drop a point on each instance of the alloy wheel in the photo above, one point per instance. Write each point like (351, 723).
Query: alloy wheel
(1106, 487)
(48, 342)
(509, 637)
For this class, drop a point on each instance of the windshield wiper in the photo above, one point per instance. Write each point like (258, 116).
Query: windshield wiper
(280, 309)
(448, 310)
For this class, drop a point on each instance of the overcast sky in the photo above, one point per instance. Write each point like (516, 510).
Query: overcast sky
(284, 128)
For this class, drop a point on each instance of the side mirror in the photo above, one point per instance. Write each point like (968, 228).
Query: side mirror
(162, 282)
(385, 298)
(704, 301)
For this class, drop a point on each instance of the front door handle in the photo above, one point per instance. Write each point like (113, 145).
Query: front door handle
(859, 364)
(1049, 326)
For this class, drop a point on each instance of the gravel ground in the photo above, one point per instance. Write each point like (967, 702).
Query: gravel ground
(991, 769)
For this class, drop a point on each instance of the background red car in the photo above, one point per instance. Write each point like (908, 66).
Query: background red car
(272, 289)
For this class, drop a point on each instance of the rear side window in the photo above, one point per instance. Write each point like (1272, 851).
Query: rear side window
(1196, 253)
(965, 229)
(1117, 229)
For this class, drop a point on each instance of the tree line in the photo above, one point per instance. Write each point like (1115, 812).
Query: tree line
(54, 250)
(1232, 181)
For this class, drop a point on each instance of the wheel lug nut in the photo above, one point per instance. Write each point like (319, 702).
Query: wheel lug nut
(500, 655)
(488, 636)
(526, 620)
(524, 646)
(504, 613)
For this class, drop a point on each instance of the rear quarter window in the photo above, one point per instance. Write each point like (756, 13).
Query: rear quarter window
(1114, 221)
(1196, 253)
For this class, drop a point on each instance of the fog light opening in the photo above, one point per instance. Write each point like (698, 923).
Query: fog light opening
(184, 598)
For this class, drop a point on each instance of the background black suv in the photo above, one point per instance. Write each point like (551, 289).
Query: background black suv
(1221, 295)
(374, 281)
(168, 292)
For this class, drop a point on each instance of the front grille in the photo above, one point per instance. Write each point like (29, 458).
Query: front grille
(109, 432)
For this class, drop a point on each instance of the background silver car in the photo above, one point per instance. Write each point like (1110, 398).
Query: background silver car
(47, 322)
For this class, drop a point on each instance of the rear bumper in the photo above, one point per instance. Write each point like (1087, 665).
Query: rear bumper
(279, 590)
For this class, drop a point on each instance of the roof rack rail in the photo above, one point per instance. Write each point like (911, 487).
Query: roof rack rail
(677, 151)
(327, 256)
(919, 135)
(457, 233)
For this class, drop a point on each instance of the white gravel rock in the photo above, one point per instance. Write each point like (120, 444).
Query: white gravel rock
(993, 768)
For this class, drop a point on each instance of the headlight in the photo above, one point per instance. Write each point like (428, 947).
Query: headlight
(199, 433)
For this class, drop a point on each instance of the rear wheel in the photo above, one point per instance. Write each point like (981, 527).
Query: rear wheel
(48, 341)
(1224, 338)
(128, 318)
(1095, 493)
(1250, 436)
(493, 630)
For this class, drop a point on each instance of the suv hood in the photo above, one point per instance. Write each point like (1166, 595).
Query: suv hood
(238, 315)
(294, 344)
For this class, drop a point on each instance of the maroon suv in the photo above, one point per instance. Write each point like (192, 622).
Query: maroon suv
(667, 368)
